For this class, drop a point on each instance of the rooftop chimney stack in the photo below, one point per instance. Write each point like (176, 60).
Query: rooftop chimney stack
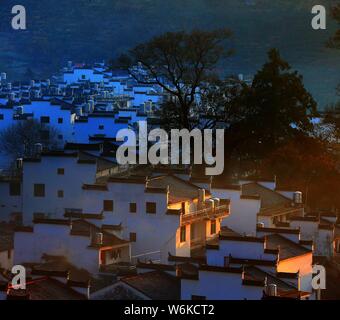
(271, 290)
(38, 149)
(297, 197)
(19, 163)
(201, 196)
(99, 238)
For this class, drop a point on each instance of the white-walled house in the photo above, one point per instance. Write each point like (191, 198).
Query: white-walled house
(81, 74)
(6, 247)
(83, 244)
(53, 182)
(158, 215)
(105, 124)
(242, 267)
(10, 199)
(244, 208)
(319, 231)
(55, 113)
(256, 202)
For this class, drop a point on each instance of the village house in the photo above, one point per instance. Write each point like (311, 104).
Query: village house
(6, 247)
(82, 243)
(159, 214)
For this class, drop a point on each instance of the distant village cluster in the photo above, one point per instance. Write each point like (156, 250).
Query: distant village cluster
(85, 227)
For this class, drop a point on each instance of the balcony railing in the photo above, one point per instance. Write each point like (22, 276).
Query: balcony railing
(207, 213)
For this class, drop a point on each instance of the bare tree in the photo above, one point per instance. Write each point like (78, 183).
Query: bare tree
(20, 138)
(182, 64)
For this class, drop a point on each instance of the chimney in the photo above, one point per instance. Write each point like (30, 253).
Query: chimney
(271, 290)
(99, 238)
(3, 76)
(19, 110)
(201, 196)
(19, 163)
(297, 197)
(101, 148)
(38, 149)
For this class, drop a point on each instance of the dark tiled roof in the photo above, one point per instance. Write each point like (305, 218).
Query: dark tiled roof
(83, 227)
(268, 197)
(201, 260)
(47, 289)
(278, 230)
(156, 285)
(179, 190)
(254, 273)
(288, 248)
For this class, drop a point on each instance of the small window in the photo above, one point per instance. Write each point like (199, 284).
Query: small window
(45, 119)
(60, 120)
(133, 237)
(39, 215)
(60, 137)
(14, 189)
(108, 205)
(213, 227)
(183, 234)
(101, 127)
(133, 207)
(60, 194)
(61, 171)
(193, 297)
(83, 76)
(1, 117)
(39, 190)
(151, 207)
(44, 135)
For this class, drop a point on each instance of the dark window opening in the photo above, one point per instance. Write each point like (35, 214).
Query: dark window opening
(151, 207)
(14, 189)
(108, 205)
(183, 234)
(39, 190)
(133, 237)
(45, 119)
(133, 207)
(213, 227)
